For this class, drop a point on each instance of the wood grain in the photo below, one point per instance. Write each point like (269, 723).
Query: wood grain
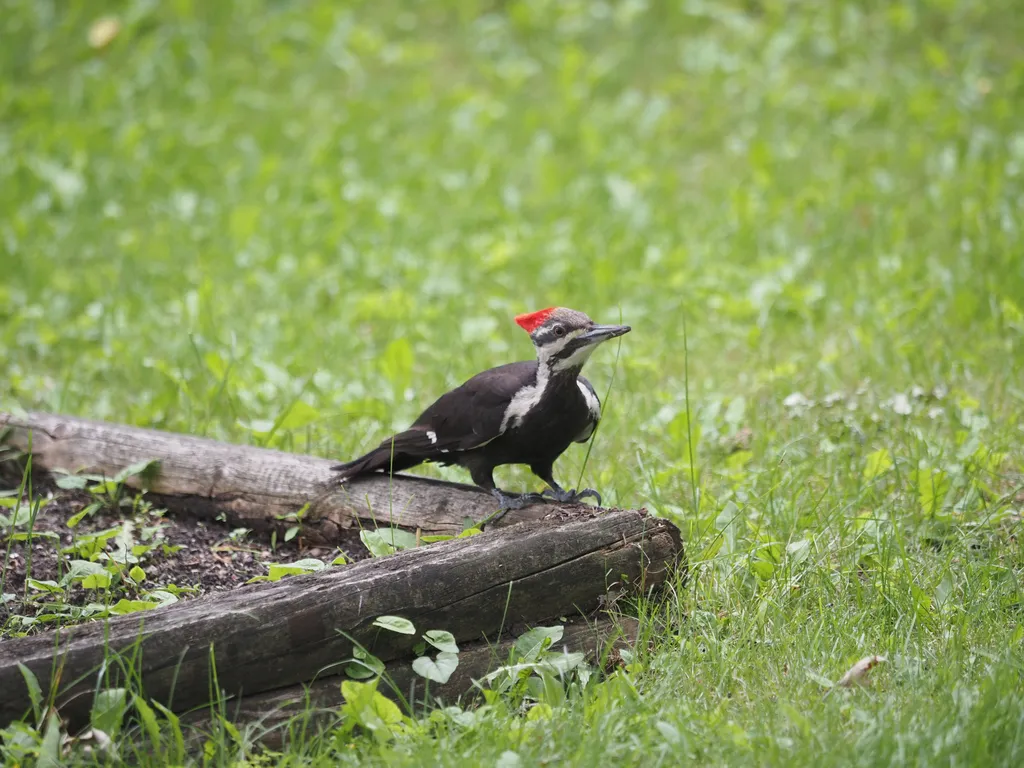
(251, 487)
(266, 636)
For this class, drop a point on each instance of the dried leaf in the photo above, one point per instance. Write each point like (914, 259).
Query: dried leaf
(103, 31)
(857, 674)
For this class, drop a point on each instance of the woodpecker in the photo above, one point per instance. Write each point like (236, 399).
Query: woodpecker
(527, 412)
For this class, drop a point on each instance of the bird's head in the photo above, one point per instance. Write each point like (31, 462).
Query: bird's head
(564, 337)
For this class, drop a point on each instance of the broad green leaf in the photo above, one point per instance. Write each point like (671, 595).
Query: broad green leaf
(386, 709)
(553, 663)
(76, 518)
(375, 544)
(35, 693)
(162, 597)
(364, 664)
(30, 535)
(216, 364)
(43, 586)
(49, 747)
(1012, 314)
(508, 759)
(358, 671)
(762, 568)
(352, 692)
(99, 580)
(124, 606)
(340, 559)
(138, 468)
(798, 550)
(530, 644)
(278, 571)
(244, 220)
(711, 549)
(441, 640)
(877, 463)
(311, 564)
(436, 538)
(398, 538)
(820, 679)
(736, 411)
(932, 488)
(922, 602)
(149, 723)
(258, 426)
(385, 541)
(396, 363)
(370, 708)
(539, 711)
(79, 569)
(299, 416)
(108, 710)
(944, 590)
(228, 726)
(395, 624)
(438, 670)
(668, 731)
(736, 461)
(137, 575)
(71, 482)
(174, 722)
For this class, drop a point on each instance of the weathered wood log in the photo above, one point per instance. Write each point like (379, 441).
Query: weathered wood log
(267, 636)
(252, 487)
(599, 640)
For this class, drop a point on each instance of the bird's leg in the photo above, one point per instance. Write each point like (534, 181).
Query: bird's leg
(506, 501)
(557, 492)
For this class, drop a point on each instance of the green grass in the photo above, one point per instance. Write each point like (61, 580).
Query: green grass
(326, 214)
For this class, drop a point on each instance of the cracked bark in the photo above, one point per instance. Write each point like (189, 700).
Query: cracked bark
(265, 637)
(251, 487)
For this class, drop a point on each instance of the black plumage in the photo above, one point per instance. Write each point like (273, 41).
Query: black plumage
(519, 413)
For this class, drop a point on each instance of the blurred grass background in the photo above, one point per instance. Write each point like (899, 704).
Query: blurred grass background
(322, 215)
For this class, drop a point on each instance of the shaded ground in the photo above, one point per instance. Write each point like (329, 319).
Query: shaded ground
(186, 556)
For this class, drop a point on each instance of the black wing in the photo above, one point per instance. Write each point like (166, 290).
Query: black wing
(471, 415)
(465, 418)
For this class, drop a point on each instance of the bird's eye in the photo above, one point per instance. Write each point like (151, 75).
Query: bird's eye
(559, 330)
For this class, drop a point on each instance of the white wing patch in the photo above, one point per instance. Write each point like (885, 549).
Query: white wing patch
(594, 406)
(432, 437)
(525, 399)
(592, 402)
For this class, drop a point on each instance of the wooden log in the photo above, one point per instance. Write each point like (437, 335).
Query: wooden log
(255, 488)
(599, 640)
(267, 636)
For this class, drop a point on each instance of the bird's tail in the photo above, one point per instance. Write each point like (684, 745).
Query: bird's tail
(383, 458)
(373, 461)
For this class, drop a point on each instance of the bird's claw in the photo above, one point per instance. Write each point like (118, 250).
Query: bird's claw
(508, 501)
(571, 496)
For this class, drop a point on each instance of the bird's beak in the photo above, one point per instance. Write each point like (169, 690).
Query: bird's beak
(598, 333)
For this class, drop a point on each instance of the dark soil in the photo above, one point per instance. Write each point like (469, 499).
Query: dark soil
(210, 559)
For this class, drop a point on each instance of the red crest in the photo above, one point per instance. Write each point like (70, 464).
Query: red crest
(531, 320)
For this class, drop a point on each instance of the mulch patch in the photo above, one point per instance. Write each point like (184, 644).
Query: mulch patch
(210, 558)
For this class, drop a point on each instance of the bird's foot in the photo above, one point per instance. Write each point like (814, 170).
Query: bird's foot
(507, 501)
(571, 496)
